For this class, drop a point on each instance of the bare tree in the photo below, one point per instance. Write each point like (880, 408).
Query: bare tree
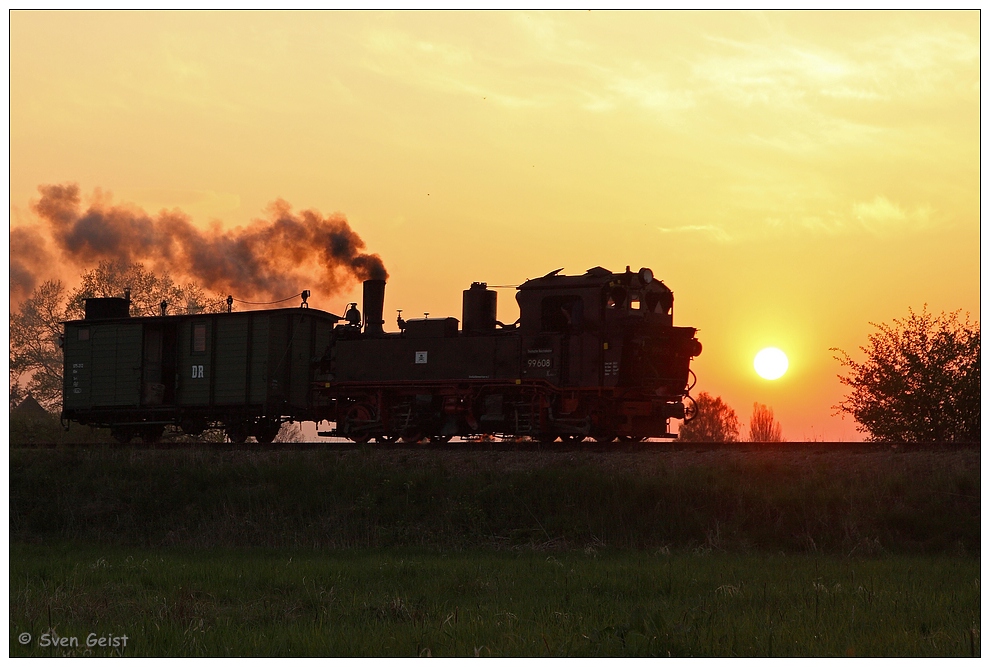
(920, 381)
(35, 352)
(148, 290)
(763, 427)
(35, 329)
(715, 422)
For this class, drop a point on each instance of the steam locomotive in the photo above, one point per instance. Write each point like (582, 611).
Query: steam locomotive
(593, 355)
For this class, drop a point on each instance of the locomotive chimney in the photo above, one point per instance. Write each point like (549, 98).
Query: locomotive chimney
(479, 309)
(374, 307)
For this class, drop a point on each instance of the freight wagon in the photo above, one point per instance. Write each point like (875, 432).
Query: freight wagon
(244, 371)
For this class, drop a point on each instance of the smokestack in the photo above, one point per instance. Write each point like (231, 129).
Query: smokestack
(374, 307)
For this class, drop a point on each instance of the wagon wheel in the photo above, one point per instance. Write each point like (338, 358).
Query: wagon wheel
(631, 438)
(267, 433)
(152, 434)
(237, 433)
(356, 423)
(572, 439)
(440, 439)
(385, 439)
(193, 425)
(604, 438)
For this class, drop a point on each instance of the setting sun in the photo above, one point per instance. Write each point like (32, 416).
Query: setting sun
(770, 363)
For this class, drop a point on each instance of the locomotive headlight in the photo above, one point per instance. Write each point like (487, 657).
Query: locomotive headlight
(645, 276)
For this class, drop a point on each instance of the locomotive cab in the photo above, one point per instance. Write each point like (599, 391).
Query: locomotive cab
(613, 331)
(639, 294)
(581, 327)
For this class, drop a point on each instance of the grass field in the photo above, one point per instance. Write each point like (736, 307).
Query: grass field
(408, 603)
(691, 552)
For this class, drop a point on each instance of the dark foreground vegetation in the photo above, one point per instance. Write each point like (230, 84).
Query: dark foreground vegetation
(525, 603)
(796, 501)
(785, 551)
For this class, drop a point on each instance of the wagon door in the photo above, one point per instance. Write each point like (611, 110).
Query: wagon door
(152, 387)
(117, 355)
(158, 364)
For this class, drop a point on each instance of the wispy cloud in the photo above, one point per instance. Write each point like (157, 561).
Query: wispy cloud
(716, 233)
(881, 216)
(442, 66)
(653, 91)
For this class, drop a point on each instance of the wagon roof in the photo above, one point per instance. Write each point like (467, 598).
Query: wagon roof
(314, 312)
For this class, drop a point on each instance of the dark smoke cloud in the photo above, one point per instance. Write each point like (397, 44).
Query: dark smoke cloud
(271, 258)
(28, 259)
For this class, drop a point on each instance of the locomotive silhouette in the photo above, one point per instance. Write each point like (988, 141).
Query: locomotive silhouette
(593, 355)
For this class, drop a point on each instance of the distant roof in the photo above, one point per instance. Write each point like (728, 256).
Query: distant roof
(30, 408)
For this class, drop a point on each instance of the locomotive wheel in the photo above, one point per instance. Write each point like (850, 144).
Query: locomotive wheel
(690, 409)
(631, 438)
(358, 417)
(571, 439)
(385, 439)
(122, 435)
(411, 438)
(440, 439)
(604, 439)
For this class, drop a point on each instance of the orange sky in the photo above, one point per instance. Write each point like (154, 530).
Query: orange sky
(791, 176)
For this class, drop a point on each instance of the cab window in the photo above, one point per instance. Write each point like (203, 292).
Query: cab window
(562, 313)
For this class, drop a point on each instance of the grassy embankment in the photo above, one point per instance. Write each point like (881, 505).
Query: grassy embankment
(717, 553)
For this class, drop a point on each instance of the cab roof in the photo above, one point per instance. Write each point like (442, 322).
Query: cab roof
(594, 277)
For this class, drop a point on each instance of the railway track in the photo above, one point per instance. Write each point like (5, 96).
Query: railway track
(507, 445)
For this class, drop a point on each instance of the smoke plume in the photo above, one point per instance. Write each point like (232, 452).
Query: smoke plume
(269, 259)
(28, 256)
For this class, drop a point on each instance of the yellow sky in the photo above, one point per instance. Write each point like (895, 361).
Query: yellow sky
(791, 176)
